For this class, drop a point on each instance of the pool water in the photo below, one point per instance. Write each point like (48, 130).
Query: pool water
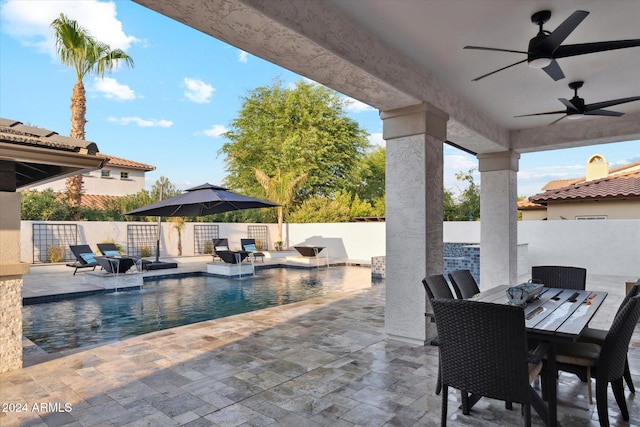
(170, 302)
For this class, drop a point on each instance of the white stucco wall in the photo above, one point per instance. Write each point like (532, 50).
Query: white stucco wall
(603, 247)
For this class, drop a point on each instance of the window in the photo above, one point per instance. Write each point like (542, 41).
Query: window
(592, 217)
(124, 175)
(105, 173)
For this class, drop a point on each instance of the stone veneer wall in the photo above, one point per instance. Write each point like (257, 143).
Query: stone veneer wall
(11, 323)
(378, 266)
(457, 256)
(462, 256)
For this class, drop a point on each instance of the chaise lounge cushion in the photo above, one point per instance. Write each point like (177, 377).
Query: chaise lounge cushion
(89, 258)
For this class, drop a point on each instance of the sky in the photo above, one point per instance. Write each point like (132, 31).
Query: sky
(171, 109)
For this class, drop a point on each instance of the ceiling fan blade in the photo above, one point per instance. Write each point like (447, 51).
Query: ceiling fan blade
(556, 121)
(603, 113)
(543, 114)
(605, 104)
(493, 49)
(555, 39)
(585, 48)
(503, 68)
(554, 71)
(568, 104)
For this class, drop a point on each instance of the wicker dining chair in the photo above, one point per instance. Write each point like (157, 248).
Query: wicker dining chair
(597, 336)
(607, 362)
(483, 350)
(463, 283)
(436, 286)
(558, 276)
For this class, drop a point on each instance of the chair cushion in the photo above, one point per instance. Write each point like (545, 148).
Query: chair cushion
(250, 248)
(580, 353)
(89, 258)
(592, 335)
(534, 370)
(111, 253)
(222, 248)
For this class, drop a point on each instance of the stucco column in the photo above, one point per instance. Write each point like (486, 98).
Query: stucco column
(499, 218)
(414, 211)
(11, 271)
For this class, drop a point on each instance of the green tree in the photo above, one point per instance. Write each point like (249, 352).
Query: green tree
(44, 205)
(465, 206)
(469, 199)
(321, 209)
(76, 48)
(369, 175)
(280, 188)
(300, 130)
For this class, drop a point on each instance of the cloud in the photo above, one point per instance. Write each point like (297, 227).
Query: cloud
(143, 123)
(460, 162)
(376, 139)
(111, 89)
(243, 56)
(28, 22)
(198, 91)
(215, 131)
(355, 106)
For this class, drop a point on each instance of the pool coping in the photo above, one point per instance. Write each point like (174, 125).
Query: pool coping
(42, 299)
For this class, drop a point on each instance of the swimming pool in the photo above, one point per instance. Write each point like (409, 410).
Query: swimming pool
(175, 301)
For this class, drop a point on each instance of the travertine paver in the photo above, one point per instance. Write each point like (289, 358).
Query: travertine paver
(320, 363)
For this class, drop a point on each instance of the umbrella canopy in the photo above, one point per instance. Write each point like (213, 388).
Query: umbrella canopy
(205, 199)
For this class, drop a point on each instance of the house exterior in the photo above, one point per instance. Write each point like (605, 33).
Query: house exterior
(602, 193)
(118, 177)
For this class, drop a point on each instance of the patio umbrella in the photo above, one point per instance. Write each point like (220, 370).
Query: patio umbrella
(205, 199)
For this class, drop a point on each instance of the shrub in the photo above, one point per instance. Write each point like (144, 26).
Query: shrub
(145, 251)
(56, 253)
(208, 247)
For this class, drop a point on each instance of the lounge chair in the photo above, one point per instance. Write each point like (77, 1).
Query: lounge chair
(249, 245)
(232, 257)
(85, 258)
(219, 245)
(111, 250)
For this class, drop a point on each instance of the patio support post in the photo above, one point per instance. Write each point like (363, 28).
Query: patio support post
(499, 218)
(414, 210)
(11, 272)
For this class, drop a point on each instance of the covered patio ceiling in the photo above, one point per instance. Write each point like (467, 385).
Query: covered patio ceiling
(394, 53)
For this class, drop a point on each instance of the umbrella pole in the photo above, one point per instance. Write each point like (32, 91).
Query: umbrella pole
(159, 226)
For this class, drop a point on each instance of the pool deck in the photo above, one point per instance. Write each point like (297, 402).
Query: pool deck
(322, 362)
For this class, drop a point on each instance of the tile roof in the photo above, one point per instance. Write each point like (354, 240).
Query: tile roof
(119, 161)
(528, 205)
(623, 185)
(15, 132)
(99, 202)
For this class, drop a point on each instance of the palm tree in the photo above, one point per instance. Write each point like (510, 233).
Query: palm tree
(280, 189)
(78, 49)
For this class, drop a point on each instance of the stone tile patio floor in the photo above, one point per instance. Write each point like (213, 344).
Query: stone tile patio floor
(324, 362)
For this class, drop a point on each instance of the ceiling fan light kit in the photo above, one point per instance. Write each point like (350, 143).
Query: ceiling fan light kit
(540, 63)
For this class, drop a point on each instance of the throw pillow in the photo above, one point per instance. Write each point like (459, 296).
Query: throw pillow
(89, 258)
(111, 253)
(222, 248)
(250, 248)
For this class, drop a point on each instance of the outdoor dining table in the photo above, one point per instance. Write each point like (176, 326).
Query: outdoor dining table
(554, 316)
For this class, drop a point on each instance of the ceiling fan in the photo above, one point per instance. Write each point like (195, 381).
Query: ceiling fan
(576, 108)
(547, 46)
